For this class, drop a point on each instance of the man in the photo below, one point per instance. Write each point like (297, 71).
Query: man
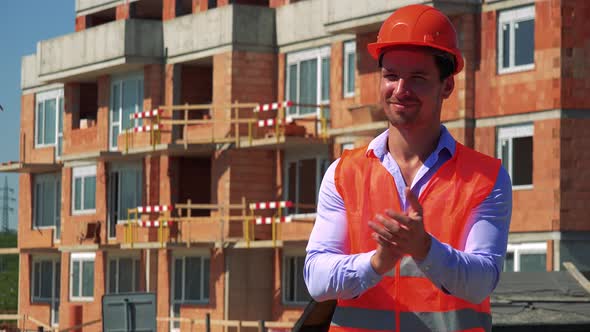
(411, 231)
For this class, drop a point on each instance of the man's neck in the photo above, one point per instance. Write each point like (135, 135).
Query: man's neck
(412, 145)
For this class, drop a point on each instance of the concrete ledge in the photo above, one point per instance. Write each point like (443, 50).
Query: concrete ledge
(220, 30)
(301, 21)
(107, 48)
(85, 7)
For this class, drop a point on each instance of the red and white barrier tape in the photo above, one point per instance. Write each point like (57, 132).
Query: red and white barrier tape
(270, 205)
(153, 223)
(146, 128)
(272, 107)
(272, 122)
(268, 220)
(147, 114)
(154, 208)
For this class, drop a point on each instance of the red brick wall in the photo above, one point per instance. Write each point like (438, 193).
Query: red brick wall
(536, 209)
(123, 11)
(168, 9)
(80, 23)
(575, 74)
(528, 91)
(574, 174)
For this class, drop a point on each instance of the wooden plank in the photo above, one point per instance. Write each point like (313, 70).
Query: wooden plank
(76, 327)
(10, 317)
(9, 251)
(576, 274)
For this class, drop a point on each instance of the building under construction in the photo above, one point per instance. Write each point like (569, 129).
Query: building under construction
(177, 146)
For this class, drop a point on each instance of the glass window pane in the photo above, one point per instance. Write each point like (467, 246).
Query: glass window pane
(533, 262)
(57, 280)
(50, 121)
(46, 276)
(350, 58)
(36, 279)
(115, 113)
(137, 275)
(505, 45)
(115, 135)
(129, 102)
(178, 279)
(87, 278)
(60, 117)
(38, 203)
(77, 194)
(125, 275)
(302, 294)
(39, 122)
(307, 184)
(509, 262)
(90, 193)
(524, 38)
(129, 195)
(76, 278)
(522, 160)
(291, 281)
(58, 207)
(326, 79)
(292, 91)
(505, 153)
(308, 85)
(112, 276)
(49, 200)
(192, 279)
(206, 276)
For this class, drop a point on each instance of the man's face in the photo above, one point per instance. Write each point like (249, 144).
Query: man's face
(411, 89)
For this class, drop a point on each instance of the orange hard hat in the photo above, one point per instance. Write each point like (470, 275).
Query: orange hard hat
(418, 25)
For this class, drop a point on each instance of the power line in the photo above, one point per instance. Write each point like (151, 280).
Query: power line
(7, 197)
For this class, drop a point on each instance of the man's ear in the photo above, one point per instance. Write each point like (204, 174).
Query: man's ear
(448, 86)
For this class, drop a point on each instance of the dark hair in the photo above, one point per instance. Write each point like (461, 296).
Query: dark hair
(445, 62)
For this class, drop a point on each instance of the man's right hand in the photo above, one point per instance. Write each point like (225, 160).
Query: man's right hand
(387, 255)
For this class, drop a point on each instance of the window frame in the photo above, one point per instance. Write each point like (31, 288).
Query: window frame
(322, 158)
(135, 270)
(510, 133)
(348, 48)
(117, 83)
(43, 97)
(518, 249)
(48, 178)
(295, 58)
(55, 296)
(82, 172)
(80, 258)
(116, 171)
(203, 255)
(511, 17)
(286, 276)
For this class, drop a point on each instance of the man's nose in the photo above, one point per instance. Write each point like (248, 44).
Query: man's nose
(401, 89)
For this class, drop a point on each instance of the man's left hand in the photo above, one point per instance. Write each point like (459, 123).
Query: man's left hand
(406, 230)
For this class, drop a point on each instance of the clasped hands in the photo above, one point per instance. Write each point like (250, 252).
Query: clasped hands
(398, 234)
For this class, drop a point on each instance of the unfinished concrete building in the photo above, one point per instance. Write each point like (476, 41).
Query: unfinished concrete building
(177, 146)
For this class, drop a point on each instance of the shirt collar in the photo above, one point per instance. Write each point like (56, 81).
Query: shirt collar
(378, 146)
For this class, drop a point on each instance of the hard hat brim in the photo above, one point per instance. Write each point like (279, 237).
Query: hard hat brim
(375, 50)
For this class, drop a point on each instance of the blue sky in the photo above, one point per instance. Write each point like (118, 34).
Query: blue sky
(22, 24)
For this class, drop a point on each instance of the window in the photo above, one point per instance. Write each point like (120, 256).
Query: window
(349, 68)
(84, 190)
(47, 202)
(294, 290)
(190, 283)
(45, 284)
(126, 99)
(515, 148)
(82, 276)
(516, 39)
(125, 188)
(308, 81)
(123, 275)
(526, 257)
(303, 176)
(49, 120)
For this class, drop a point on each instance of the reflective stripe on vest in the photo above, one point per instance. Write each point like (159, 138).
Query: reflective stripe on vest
(361, 318)
(384, 320)
(409, 268)
(458, 320)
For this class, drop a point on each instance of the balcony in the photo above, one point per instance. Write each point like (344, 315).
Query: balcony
(358, 16)
(301, 21)
(117, 46)
(223, 29)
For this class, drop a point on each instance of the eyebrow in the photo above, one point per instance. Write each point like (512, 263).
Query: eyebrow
(417, 72)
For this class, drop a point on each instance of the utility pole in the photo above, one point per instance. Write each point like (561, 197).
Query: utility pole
(6, 197)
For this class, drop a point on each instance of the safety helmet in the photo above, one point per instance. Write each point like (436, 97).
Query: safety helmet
(418, 25)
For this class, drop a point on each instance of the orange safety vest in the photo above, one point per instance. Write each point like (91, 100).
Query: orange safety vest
(408, 300)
